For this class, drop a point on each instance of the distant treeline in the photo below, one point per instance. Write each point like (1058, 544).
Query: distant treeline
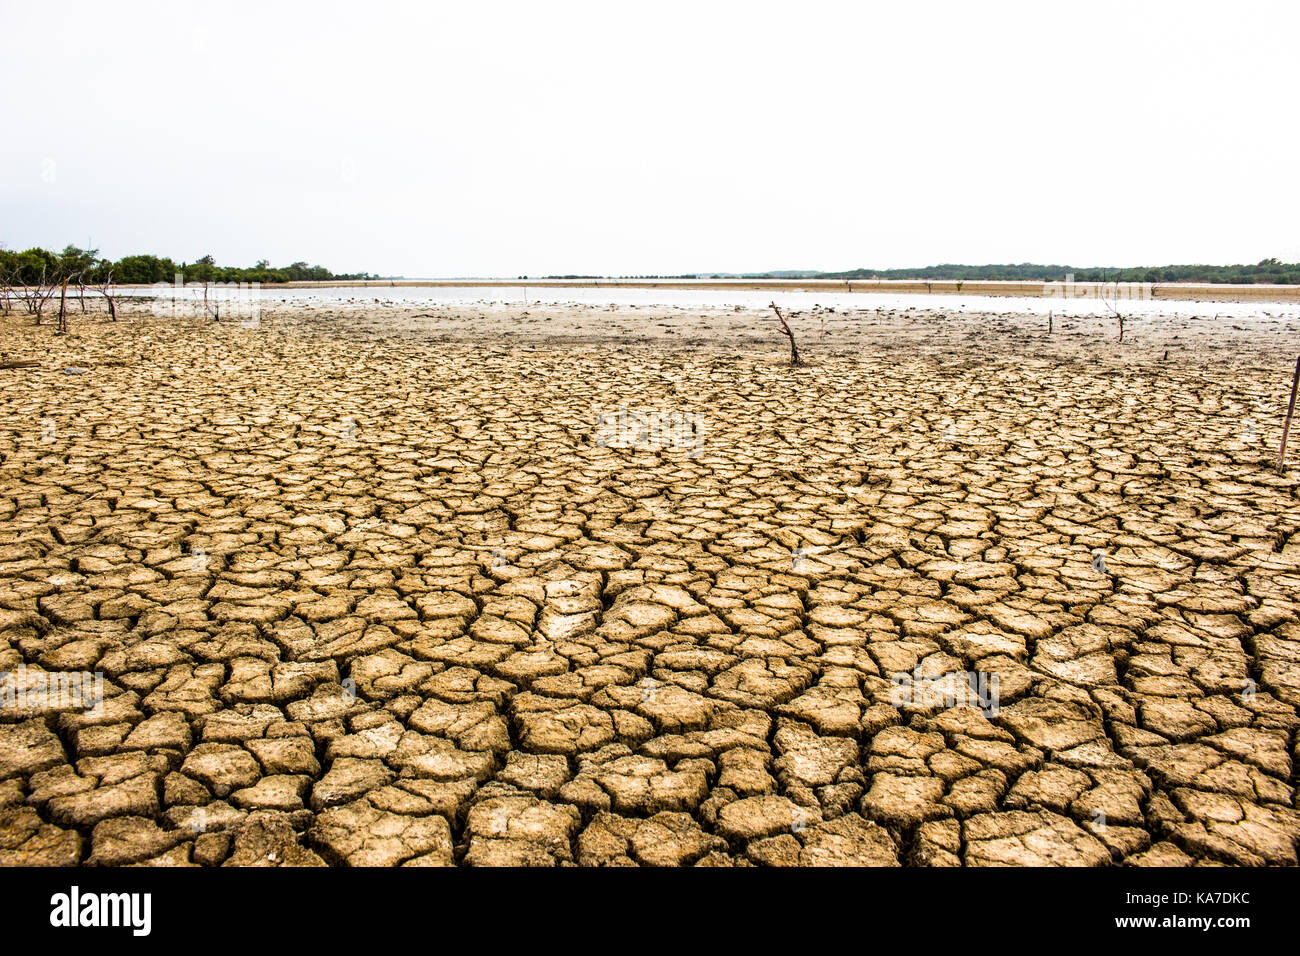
(1267, 271)
(34, 266)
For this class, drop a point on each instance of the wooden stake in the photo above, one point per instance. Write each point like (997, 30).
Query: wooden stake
(1290, 409)
(63, 315)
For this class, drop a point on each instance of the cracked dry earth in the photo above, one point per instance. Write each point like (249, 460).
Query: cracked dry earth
(366, 588)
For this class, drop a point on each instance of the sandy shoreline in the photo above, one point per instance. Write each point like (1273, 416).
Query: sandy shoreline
(453, 585)
(1187, 292)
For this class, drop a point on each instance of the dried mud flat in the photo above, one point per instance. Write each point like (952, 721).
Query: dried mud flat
(367, 586)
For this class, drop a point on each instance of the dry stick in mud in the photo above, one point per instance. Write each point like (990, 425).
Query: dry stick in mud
(106, 290)
(206, 310)
(62, 325)
(794, 351)
(1101, 292)
(1290, 409)
(1119, 315)
(77, 278)
(215, 310)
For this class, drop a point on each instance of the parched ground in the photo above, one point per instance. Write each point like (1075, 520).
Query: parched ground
(379, 585)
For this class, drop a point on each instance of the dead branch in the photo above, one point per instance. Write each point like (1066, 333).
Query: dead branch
(77, 279)
(35, 296)
(108, 291)
(215, 310)
(1101, 294)
(794, 350)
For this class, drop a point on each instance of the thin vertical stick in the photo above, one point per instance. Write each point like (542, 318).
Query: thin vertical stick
(63, 316)
(1286, 426)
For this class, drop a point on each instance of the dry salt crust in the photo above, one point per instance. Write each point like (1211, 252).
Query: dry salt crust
(367, 587)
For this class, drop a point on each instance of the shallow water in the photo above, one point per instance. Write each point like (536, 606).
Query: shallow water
(407, 296)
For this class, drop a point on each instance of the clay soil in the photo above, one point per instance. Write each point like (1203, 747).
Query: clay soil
(373, 585)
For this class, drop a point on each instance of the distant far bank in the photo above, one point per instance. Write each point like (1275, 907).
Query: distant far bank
(1076, 288)
(1272, 271)
(38, 265)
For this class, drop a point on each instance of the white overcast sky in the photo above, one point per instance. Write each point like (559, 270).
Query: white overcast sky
(482, 138)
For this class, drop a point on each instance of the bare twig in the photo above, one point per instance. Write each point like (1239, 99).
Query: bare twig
(77, 279)
(215, 309)
(108, 291)
(34, 296)
(1102, 295)
(794, 351)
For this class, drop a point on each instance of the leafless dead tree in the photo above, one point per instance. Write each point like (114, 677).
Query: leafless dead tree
(35, 296)
(62, 325)
(109, 292)
(1101, 294)
(215, 309)
(794, 351)
(212, 308)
